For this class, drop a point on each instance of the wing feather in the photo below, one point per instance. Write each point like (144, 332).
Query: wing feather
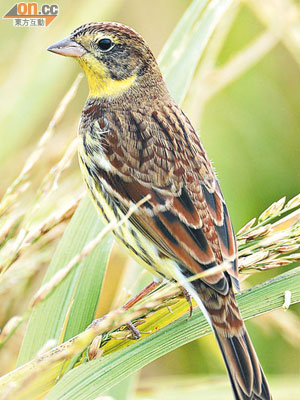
(160, 154)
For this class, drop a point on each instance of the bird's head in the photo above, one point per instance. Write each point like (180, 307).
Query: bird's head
(113, 56)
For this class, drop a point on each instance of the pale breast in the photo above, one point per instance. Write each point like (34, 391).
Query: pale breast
(91, 160)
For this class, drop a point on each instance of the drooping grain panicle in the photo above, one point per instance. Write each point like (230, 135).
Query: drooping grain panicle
(273, 241)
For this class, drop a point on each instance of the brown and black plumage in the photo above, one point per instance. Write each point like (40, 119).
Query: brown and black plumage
(136, 141)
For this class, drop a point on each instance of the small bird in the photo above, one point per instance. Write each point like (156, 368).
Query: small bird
(136, 141)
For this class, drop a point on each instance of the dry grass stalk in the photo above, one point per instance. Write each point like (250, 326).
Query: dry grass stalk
(47, 187)
(62, 273)
(273, 241)
(221, 77)
(18, 228)
(283, 18)
(9, 327)
(94, 350)
(258, 255)
(12, 193)
(26, 238)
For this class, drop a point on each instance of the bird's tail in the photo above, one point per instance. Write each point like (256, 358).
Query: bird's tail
(246, 375)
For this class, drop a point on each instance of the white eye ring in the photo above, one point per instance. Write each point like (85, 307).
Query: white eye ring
(105, 44)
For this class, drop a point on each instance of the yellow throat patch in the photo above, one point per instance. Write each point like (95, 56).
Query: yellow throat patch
(99, 80)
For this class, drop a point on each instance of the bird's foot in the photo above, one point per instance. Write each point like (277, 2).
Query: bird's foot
(135, 333)
(188, 298)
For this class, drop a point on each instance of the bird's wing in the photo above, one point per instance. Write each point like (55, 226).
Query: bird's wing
(160, 154)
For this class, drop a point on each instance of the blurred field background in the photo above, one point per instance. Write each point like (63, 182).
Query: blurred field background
(246, 108)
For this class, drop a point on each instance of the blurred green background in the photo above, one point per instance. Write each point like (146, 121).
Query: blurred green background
(245, 106)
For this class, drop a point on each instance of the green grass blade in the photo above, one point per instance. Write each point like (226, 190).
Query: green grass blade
(81, 287)
(125, 389)
(98, 376)
(176, 43)
(181, 55)
(38, 376)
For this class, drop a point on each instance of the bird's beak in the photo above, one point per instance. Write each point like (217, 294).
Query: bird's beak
(67, 47)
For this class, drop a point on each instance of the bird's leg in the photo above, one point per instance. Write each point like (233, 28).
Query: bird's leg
(188, 298)
(135, 333)
(149, 288)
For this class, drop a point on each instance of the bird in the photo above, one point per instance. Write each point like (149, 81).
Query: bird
(134, 142)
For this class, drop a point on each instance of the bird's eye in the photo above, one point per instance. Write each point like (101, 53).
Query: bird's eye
(105, 44)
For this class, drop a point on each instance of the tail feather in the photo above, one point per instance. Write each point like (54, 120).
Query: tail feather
(246, 375)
